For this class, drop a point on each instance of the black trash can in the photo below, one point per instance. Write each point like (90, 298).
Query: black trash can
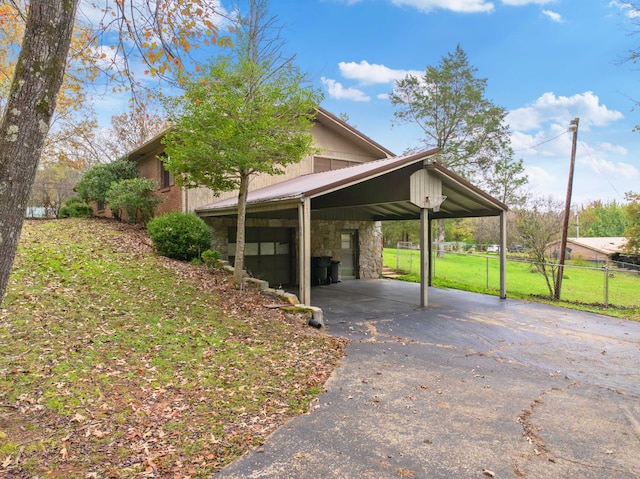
(320, 270)
(334, 271)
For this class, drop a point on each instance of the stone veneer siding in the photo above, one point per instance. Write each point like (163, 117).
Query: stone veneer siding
(325, 240)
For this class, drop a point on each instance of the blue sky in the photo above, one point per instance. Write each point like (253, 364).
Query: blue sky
(546, 62)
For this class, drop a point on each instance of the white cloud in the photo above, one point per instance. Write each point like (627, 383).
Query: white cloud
(611, 148)
(461, 6)
(540, 136)
(611, 169)
(555, 17)
(539, 176)
(629, 9)
(336, 90)
(521, 3)
(369, 73)
(562, 109)
(524, 119)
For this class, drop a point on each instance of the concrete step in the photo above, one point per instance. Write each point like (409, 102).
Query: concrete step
(390, 273)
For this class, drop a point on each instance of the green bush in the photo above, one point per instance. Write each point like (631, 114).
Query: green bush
(210, 257)
(135, 197)
(75, 207)
(179, 235)
(95, 183)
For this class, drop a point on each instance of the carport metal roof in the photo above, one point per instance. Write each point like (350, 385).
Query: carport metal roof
(373, 191)
(376, 191)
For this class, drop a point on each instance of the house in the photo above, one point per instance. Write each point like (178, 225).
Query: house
(340, 146)
(590, 249)
(326, 211)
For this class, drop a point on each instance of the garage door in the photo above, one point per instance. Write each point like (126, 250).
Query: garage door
(267, 253)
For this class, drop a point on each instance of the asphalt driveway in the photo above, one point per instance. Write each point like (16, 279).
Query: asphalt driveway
(470, 387)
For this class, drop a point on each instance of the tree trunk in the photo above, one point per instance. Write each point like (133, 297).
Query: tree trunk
(238, 264)
(30, 106)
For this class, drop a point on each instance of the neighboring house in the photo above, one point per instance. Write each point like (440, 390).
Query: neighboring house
(590, 249)
(328, 207)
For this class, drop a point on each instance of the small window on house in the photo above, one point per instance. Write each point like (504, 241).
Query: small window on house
(329, 164)
(321, 164)
(339, 164)
(165, 176)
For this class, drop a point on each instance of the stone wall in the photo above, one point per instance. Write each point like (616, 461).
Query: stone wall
(325, 240)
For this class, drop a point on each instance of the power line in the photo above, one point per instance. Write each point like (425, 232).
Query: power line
(542, 142)
(595, 165)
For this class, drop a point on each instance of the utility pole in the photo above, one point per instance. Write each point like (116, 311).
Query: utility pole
(573, 126)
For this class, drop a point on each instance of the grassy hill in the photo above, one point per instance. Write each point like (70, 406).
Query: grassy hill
(117, 363)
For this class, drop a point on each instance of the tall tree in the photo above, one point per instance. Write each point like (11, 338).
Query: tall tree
(248, 114)
(400, 230)
(158, 33)
(506, 180)
(599, 219)
(73, 122)
(27, 115)
(448, 104)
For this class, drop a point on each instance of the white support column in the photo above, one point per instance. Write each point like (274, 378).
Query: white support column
(425, 248)
(503, 254)
(304, 251)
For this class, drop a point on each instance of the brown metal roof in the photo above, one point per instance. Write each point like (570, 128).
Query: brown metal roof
(375, 190)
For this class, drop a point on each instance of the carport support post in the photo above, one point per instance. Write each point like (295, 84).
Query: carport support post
(430, 249)
(425, 248)
(503, 254)
(304, 251)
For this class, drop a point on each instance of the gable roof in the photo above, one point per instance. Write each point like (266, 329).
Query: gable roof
(601, 244)
(375, 190)
(323, 117)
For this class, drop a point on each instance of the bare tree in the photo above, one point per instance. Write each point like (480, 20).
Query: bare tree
(53, 184)
(133, 128)
(539, 225)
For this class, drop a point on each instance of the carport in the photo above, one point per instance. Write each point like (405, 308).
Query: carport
(400, 188)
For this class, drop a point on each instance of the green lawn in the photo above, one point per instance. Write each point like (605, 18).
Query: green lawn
(581, 286)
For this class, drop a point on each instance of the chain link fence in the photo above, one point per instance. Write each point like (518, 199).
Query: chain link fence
(606, 284)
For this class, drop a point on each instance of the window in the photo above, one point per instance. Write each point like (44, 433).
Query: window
(165, 176)
(328, 164)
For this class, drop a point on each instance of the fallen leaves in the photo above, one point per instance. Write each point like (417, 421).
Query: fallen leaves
(129, 365)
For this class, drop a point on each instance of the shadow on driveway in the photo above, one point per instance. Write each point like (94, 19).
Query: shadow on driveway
(471, 386)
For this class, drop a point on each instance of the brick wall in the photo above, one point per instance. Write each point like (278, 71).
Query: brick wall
(171, 196)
